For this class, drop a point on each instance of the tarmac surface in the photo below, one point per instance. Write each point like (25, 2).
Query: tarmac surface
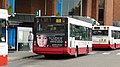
(16, 55)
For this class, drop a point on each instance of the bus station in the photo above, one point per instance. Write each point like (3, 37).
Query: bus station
(60, 27)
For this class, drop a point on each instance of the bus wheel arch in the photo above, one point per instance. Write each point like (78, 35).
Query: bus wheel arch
(87, 49)
(76, 52)
(114, 46)
(47, 56)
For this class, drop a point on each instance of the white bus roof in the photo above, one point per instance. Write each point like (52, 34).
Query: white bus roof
(82, 18)
(77, 20)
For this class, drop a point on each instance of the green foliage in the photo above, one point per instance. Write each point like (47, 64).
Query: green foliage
(58, 14)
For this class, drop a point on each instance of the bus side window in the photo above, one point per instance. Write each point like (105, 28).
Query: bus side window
(72, 30)
(77, 33)
(113, 33)
(119, 35)
(2, 30)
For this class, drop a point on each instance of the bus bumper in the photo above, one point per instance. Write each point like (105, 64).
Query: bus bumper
(3, 60)
(50, 50)
(101, 46)
(62, 50)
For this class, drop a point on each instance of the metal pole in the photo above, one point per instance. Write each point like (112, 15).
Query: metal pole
(45, 7)
(68, 7)
(81, 9)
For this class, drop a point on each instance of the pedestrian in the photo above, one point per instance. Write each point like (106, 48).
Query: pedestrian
(30, 40)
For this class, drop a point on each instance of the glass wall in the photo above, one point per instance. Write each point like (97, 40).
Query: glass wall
(71, 7)
(11, 6)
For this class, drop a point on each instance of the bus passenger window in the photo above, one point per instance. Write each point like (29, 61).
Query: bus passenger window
(2, 30)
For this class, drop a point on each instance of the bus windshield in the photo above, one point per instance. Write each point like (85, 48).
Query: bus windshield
(2, 30)
(47, 27)
(100, 32)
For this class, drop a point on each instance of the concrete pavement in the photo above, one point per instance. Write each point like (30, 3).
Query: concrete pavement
(16, 55)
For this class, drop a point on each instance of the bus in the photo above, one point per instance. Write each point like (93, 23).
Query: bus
(62, 35)
(3, 37)
(106, 37)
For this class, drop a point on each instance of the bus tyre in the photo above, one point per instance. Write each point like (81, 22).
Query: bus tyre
(114, 46)
(76, 52)
(47, 56)
(87, 50)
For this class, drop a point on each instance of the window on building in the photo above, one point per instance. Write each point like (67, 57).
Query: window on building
(71, 7)
(0, 5)
(101, 11)
(101, 3)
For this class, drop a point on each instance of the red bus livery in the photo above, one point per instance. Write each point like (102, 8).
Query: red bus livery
(62, 35)
(106, 37)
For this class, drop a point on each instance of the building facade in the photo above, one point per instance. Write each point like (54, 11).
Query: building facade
(23, 12)
(47, 7)
(3, 4)
(108, 12)
(104, 11)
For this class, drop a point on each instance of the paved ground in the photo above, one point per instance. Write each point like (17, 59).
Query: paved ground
(97, 58)
(16, 55)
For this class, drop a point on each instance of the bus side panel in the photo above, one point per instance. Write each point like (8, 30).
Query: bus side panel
(83, 46)
(117, 43)
(105, 46)
(101, 46)
(3, 60)
(83, 50)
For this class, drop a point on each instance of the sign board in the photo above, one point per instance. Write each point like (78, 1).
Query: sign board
(59, 7)
(38, 13)
(3, 14)
(11, 6)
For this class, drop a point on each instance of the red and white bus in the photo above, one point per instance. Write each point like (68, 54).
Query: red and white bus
(3, 37)
(62, 35)
(106, 37)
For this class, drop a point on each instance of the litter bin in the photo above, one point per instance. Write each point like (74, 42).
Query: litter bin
(20, 46)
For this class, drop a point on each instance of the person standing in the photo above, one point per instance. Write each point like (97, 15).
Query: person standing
(30, 40)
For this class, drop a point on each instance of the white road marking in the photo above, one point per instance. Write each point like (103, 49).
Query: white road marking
(106, 53)
(92, 53)
(118, 54)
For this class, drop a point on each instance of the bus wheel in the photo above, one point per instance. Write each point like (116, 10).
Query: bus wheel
(76, 52)
(114, 46)
(47, 56)
(87, 50)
